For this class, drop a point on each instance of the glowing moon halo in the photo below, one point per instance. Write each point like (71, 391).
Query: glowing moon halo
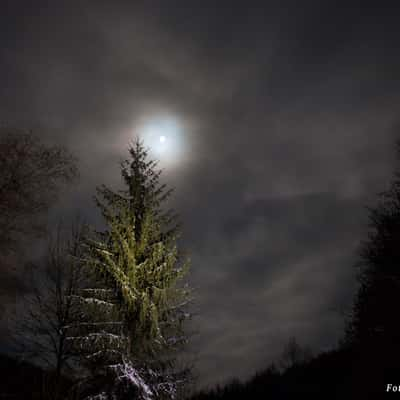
(163, 136)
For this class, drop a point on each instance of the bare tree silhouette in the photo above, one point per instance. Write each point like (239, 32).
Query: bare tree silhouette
(30, 175)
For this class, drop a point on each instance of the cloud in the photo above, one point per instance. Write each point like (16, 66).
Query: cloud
(280, 267)
(291, 115)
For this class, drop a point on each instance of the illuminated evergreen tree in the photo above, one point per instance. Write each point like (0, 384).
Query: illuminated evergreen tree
(138, 264)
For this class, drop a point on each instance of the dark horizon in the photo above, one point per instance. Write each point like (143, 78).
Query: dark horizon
(283, 119)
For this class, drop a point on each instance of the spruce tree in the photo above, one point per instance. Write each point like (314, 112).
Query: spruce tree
(137, 262)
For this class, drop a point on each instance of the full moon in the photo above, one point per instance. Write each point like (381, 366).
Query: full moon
(164, 137)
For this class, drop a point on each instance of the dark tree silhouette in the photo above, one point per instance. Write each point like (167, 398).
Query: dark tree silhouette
(30, 174)
(48, 309)
(374, 328)
(294, 354)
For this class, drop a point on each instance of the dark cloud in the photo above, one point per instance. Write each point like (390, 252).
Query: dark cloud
(290, 112)
(279, 267)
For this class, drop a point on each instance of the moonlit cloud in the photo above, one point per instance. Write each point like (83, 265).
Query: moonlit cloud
(279, 122)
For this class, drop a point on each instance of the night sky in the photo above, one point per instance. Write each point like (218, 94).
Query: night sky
(284, 117)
